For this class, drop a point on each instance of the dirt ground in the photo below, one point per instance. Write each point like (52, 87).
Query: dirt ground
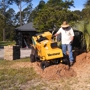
(81, 65)
(80, 71)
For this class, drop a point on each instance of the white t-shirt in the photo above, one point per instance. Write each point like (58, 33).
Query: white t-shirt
(66, 35)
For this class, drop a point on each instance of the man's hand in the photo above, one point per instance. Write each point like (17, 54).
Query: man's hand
(72, 37)
(71, 42)
(55, 34)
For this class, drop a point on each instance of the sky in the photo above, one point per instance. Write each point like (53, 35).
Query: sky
(77, 3)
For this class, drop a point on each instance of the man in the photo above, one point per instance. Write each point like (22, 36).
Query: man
(67, 36)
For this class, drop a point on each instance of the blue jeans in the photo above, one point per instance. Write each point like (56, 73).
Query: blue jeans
(68, 47)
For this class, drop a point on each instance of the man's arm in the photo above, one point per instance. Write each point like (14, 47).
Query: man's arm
(58, 32)
(72, 38)
(72, 34)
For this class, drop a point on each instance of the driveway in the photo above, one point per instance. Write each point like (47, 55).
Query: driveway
(23, 53)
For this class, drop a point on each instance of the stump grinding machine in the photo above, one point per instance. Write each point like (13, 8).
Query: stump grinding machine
(44, 49)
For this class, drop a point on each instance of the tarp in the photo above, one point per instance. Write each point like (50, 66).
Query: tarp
(26, 27)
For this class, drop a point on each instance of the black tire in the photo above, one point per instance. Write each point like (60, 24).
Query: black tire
(32, 55)
(32, 50)
(37, 58)
(44, 64)
(66, 61)
(32, 58)
(56, 61)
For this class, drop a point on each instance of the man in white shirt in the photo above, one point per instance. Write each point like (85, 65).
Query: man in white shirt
(67, 36)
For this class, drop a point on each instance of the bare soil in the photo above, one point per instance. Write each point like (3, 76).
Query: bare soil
(81, 65)
(80, 68)
(80, 71)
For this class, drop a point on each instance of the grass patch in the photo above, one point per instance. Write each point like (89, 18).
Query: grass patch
(25, 78)
(37, 87)
(5, 43)
(5, 63)
(22, 60)
(8, 63)
(13, 78)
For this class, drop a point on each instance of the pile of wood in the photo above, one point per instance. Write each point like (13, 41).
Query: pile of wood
(11, 52)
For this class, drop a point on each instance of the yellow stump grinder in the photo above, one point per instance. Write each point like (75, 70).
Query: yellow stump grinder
(44, 49)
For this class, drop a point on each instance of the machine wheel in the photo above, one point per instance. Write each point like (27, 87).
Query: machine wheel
(45, 64)
(66, 61)
(32, 58)
(32, 55)
(56, 61)
(37, 58)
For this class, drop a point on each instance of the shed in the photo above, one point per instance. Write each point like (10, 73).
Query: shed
(24, 35)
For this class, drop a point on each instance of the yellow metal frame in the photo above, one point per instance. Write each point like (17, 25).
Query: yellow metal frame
(45, 51)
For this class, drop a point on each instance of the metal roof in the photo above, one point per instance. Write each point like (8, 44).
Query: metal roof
(26, 27)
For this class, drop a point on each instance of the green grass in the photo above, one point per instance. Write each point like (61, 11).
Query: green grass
(16, 78)
(26, 78)
(5, 64)
(12, 78)
(8, 63)
(5, 43)
(23, 60)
